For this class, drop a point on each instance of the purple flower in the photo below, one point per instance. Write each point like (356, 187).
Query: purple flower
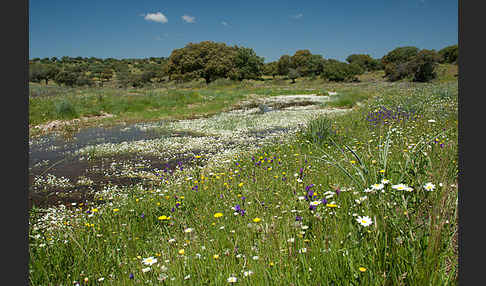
(237, 208)
(298, 218)
(131, 276)
(338, 191)
(324, 201)
(142, 215)
(312, 207)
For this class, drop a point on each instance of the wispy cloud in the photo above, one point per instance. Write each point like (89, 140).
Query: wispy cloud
(156, 17)
(224, 23)
(298, 16)
(188, 19)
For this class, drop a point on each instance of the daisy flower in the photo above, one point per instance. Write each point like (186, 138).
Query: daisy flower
(400, 187)
(385, 181)
(364, 221)
(429, 187)
(315, 203)
(149, 260)
(377, 186)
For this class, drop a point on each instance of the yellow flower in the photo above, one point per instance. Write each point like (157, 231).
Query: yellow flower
(216, 256)
(331, 205)
(115, 210)
(257, 219)
(164, 217)
(352, 162)
(362, 269)
(94, 210)
(382, 171)
(181, 251)
(216, 215)
(240, 185)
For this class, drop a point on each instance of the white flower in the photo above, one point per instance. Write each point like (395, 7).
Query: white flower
(368, 190)
(400, 187)
(149, 260)
(291, 239)
(147, 269)
(431, 120)
(377, 186)
(255, 257)
(429, 187)
(303, 250)
(364, 221)
(232, 279)
(315, 203)
(188, 230)
(385, 181)
(187, 277)
(248, 273)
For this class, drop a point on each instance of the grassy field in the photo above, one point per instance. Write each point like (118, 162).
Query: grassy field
(364, 198)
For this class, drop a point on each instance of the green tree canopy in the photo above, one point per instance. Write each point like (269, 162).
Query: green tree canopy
(208, 60)
(247, 65)
(449, 54)
(283, 65)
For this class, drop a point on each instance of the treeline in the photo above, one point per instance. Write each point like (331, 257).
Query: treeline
(211, 60)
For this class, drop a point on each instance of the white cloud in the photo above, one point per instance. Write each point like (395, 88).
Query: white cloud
(224, 23)
(298, 16)
(156, 17)
(188, 19)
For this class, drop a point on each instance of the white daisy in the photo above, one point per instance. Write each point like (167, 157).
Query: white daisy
(385, 181)
(377, 186)
(364, 220)
(400, 187)
(149, 260)
(429, 187)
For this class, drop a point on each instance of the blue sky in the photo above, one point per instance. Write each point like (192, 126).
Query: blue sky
(333, 29)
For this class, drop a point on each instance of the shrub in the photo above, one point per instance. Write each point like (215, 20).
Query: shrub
(449, 54)
(338, 71)
(423, 65)
(319, 130)
(407, 62)
(66, 78)
(84, 81)
(293, 74)
(65, 109)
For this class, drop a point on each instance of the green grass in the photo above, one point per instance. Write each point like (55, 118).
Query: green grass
(410, 241)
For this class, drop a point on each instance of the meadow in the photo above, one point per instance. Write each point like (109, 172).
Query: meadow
(363, 197)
